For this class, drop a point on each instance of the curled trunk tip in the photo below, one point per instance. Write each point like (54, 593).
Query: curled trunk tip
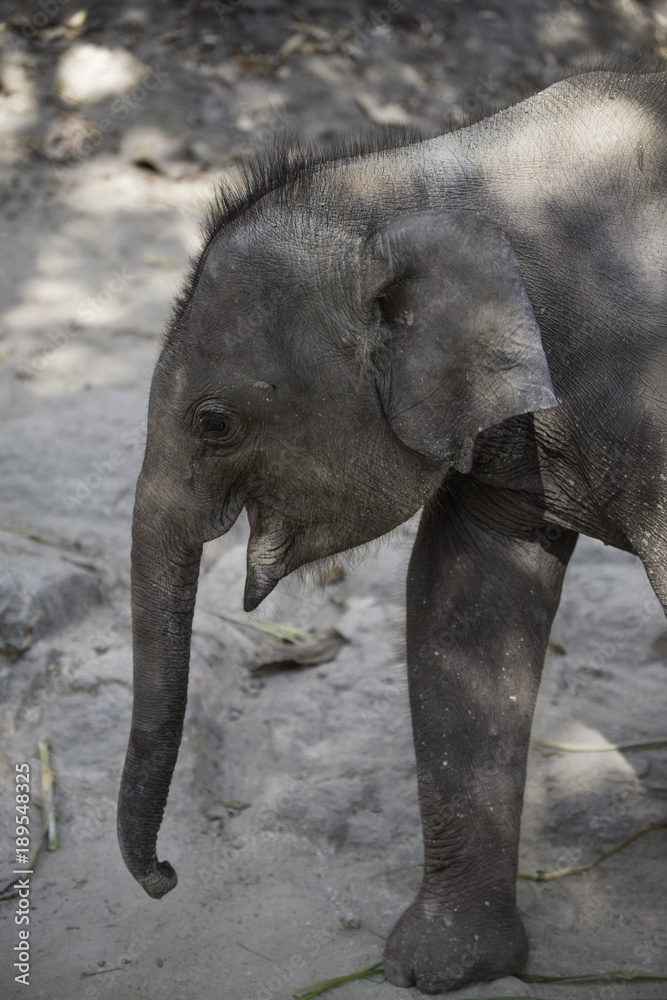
(157, 878)
(160, 880)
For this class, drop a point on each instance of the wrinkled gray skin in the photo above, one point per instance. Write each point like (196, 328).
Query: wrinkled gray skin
(475, 324)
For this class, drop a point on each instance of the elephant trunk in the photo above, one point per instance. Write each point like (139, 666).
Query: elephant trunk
(165, 571)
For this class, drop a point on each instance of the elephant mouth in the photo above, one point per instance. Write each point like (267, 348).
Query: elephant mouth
(252, 510)
(268, 547)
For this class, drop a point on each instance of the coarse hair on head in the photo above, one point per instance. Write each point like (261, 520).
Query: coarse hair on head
(289, 160)
(286, 165)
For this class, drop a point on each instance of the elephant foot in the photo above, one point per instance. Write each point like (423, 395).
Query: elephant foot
(437, 948)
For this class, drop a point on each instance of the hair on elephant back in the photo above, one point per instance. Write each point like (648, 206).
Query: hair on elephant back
(440, 324)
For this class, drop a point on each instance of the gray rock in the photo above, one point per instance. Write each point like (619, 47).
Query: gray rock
(41, 591)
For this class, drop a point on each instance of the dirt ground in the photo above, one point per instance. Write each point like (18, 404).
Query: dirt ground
(292, 790)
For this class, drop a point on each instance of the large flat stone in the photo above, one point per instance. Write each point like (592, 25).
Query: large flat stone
(41, 591)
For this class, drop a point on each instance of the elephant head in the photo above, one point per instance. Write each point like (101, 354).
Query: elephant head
(324, 375)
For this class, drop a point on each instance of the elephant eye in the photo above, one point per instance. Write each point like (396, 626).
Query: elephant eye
(215, 426)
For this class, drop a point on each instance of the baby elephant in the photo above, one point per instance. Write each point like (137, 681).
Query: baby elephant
(473, 324)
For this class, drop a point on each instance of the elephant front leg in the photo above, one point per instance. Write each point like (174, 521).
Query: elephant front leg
(480, 608)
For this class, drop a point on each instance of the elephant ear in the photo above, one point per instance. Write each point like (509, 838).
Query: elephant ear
(462, 349)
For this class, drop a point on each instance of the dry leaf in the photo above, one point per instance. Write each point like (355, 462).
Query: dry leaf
(382, 114)
(169, 155)
(293, 44)
(280, 655)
